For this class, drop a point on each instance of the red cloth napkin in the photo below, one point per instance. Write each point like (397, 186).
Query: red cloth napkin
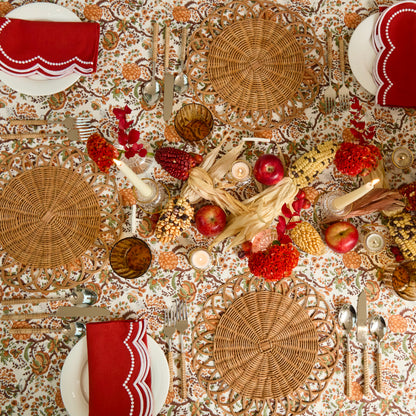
(396, 46)
(119, 369)
(51, 49)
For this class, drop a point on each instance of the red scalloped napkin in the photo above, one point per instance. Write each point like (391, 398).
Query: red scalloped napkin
(394, 70)
(119, 369)
(50, 49)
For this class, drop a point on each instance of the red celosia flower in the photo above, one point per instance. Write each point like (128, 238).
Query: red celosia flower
(355, 159)
(101, 152)
(275, 263)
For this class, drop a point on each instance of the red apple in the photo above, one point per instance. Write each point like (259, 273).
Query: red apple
(268, 170)
(210, 220)
(341, 236)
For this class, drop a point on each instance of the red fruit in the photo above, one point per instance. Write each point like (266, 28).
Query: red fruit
(306, 204)
(268, 169)
(341, 236)
(210, 220)
(301, 195)
(246, 246)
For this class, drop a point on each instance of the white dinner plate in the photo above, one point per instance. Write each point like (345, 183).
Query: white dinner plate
(39, 85)
(361, 53)
(74, 378)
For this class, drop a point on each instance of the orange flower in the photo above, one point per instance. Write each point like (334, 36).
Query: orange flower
(131, 71)
(398, 324)
(41, 363)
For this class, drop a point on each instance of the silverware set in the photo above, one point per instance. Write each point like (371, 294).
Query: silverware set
(151, 90)
(176, 320)
(78, 128)
(348, 318)
(330, 93)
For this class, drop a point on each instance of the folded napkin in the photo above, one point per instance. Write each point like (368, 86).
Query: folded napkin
(119, 369)
(50, 49)
(395, 43)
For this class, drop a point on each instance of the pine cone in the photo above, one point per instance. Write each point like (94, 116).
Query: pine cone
(176, 162)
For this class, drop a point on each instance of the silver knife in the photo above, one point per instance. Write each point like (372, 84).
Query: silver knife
(168, 80)
(62, 312)
(362, 335)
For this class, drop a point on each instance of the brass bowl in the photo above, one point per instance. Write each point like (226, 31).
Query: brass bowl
(130, 258)
(194, 122)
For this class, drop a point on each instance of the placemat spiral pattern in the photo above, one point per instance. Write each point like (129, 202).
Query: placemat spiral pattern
(59, 217)
(261, 347)
(255, 64)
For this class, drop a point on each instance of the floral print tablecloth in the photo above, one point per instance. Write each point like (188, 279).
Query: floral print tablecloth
(31, 365)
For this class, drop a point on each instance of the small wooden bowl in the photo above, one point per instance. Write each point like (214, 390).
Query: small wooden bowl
(194, 122)
(130, 258)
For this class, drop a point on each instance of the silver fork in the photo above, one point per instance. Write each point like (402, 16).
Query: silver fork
(169, 329)
(343, 93)
(68, 122)
(181, 326)
(329, 95)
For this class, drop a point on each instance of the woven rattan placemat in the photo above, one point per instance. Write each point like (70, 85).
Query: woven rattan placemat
(58, 218)
(255, 64)
(261, 347)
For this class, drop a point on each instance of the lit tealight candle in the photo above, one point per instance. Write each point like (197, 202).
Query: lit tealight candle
(200, 258)
(402, 157)
(240, 171)
(342, 201)
(374, 242)
(145, 191)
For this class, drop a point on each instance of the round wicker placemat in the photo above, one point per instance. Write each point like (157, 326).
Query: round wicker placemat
(59, 216)
(261, 348)
(49, 216)
(255, 64)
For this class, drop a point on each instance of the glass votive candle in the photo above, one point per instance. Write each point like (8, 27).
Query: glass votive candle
(200, 258)
(194, 122)
(240, 171)
(374, 242)
(402, 157)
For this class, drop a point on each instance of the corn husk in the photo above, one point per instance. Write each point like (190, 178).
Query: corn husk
(259, 213)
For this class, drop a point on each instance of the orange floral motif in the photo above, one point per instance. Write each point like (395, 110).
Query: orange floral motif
(131, 71)
(171, 135)
(398, 324)
(181, 14)
(93, 12)
(168, 260)
(187, 292)
(41, 363)
(58, 399)
(356, 391)
(5, 7)
(352, 20)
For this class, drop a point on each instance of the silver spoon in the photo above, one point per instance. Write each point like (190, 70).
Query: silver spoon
(378, 328)
(181, 80)
(151, 90)
(347, 318)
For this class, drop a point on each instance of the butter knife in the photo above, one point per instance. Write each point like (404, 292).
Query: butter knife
(61, 312)
(362, 335)
(168, 79)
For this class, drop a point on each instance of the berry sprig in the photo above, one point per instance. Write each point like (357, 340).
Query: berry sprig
(128, 137)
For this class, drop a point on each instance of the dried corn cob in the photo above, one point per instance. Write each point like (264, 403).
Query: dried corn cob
(403, 230)
(307, 239)
(304, 170)
(177, 162)
(174, 219)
